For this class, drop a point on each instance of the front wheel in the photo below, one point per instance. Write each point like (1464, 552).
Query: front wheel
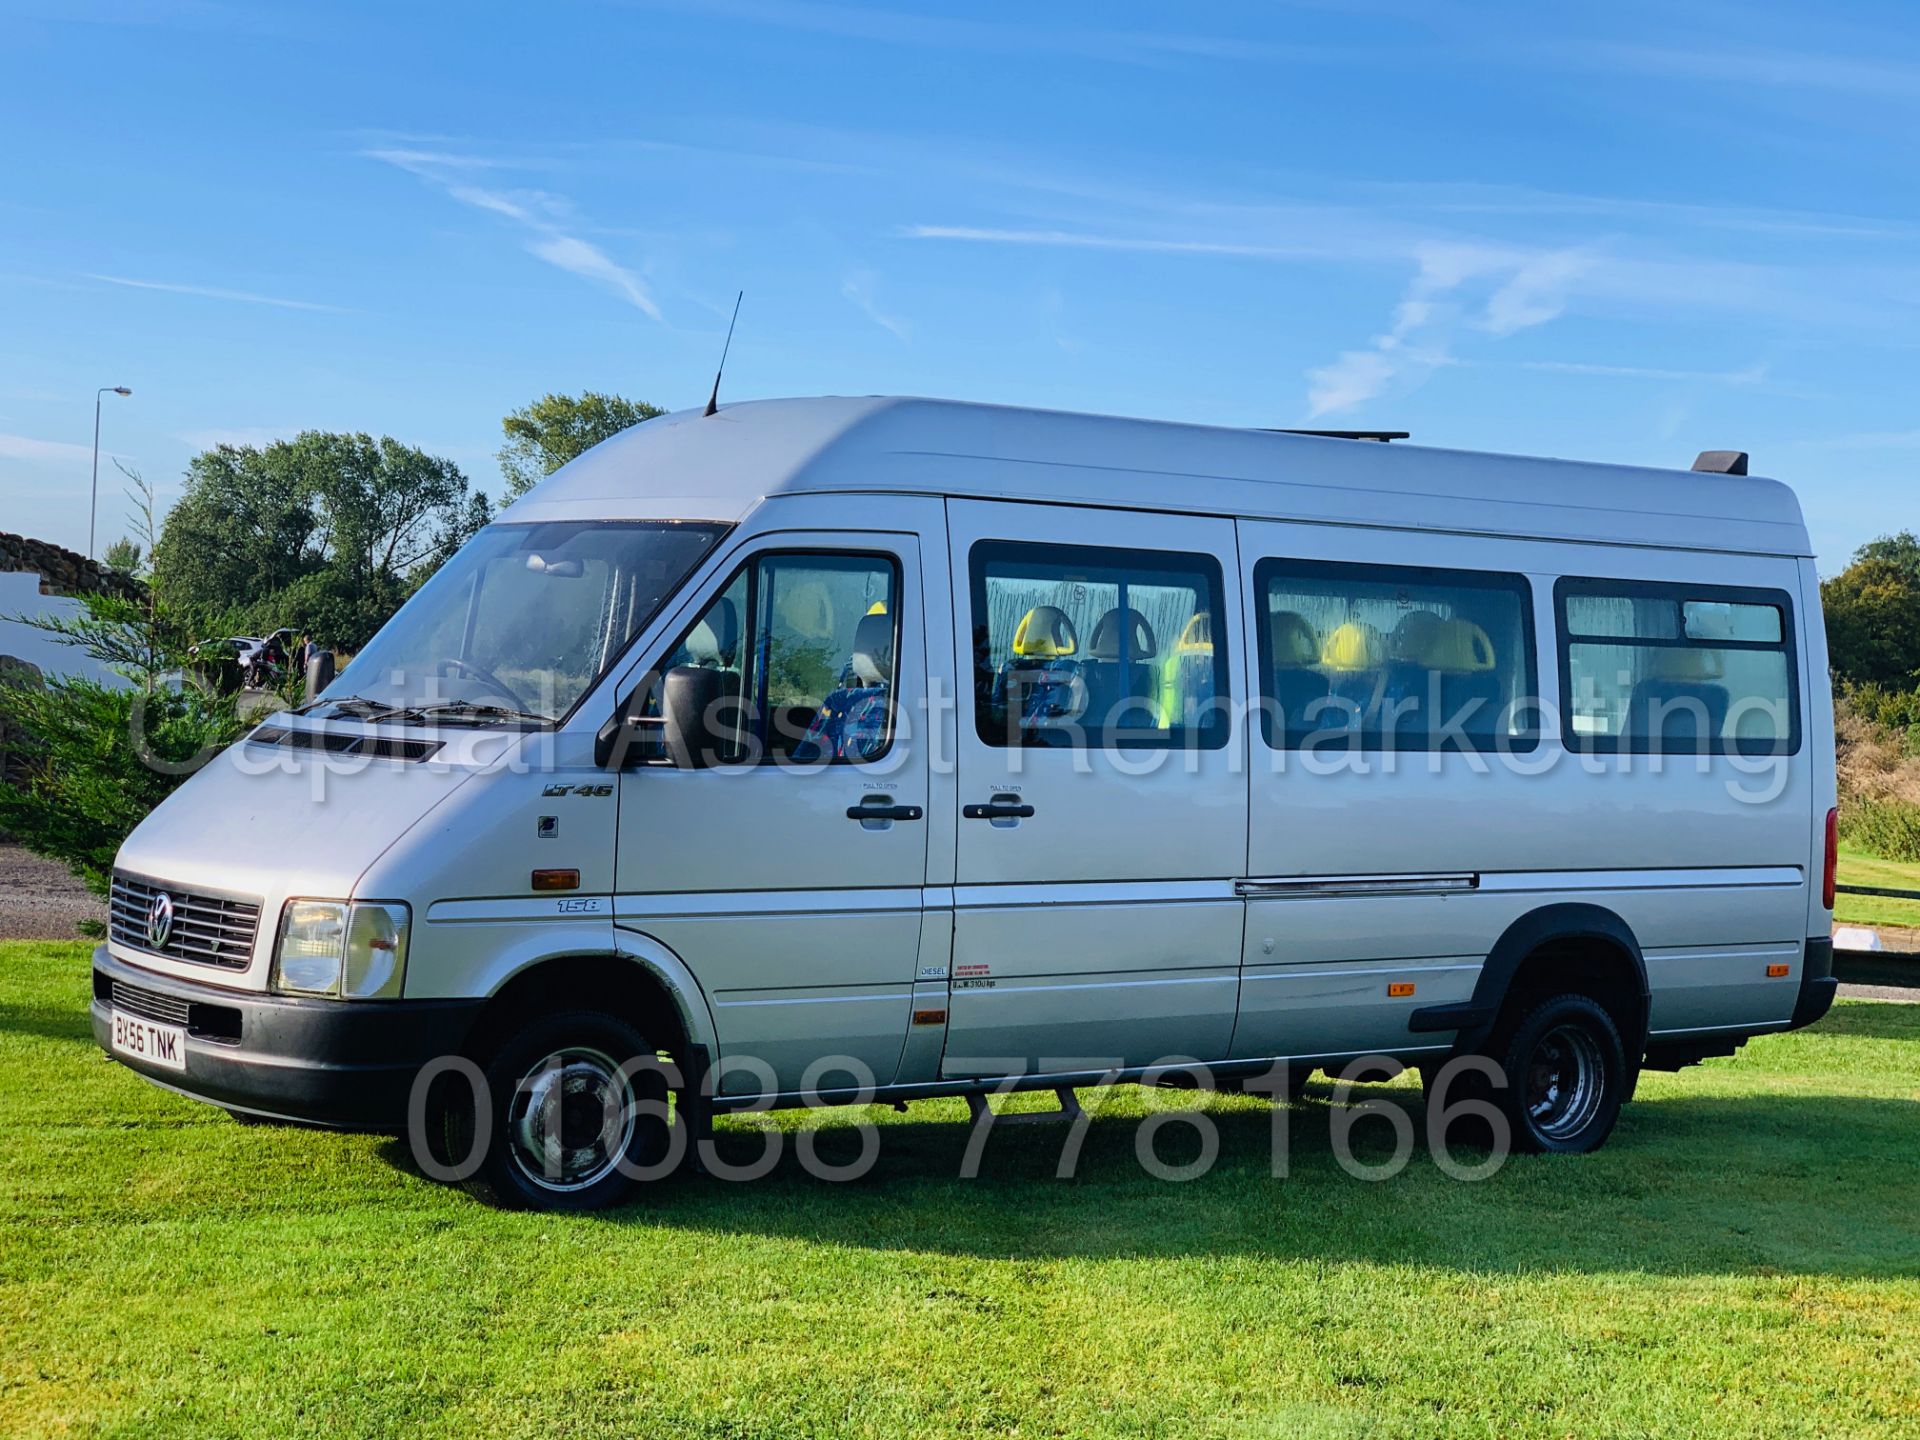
(577, 1111)
(1567, 1077)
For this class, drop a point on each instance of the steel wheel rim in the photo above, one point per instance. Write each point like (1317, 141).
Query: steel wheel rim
(571, 1120)
(1566, 1082)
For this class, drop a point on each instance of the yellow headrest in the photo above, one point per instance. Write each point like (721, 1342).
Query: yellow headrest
(1045, 633)
(1413, 637)
(1197, 638)
(1355, 645)
(1461, 647)
(1687, 664)
(1295, 643)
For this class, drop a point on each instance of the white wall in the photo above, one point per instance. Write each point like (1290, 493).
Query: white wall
(20, 595)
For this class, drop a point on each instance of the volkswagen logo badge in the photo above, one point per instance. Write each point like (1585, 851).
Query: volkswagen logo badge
(160, 920)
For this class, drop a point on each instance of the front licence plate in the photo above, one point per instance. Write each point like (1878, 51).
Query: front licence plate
(147, 1040)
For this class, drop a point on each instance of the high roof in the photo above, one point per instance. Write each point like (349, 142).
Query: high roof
(690, 465)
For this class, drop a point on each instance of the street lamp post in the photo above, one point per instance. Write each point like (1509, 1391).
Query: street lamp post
(93, 509)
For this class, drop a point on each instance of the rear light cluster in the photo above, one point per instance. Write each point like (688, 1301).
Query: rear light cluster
(1832, 860)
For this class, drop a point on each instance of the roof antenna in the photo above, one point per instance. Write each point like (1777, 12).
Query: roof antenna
(713, 400)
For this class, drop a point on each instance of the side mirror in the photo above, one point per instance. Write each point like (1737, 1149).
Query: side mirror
(683, 730)
(690, 700)
(319, 673)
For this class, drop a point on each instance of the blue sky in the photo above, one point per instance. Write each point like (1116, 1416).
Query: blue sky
(1624, 233)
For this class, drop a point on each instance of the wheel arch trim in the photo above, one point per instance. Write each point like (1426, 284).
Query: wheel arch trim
(1474, 1019)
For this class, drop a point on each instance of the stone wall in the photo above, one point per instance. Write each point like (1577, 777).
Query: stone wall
(63, 571)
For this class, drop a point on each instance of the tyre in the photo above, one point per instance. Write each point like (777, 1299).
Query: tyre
(569, 1112)
(1566, 1075)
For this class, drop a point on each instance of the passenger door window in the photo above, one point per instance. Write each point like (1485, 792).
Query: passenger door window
(1670, 669)
(1082, 647)
(1394, 657)
(806, 646)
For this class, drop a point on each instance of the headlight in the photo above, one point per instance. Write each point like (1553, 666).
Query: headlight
(350, 952)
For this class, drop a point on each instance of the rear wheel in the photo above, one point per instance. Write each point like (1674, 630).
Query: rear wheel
(1566, 1075)
(577, 1118)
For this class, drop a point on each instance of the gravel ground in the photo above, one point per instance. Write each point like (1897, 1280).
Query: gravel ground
(40, 900)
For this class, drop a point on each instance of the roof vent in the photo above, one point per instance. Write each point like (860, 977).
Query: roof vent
(1722, 462)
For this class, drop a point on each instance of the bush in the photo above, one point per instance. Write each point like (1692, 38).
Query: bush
(87, 761)
(94, 759)
(1893, 710)
(1889, 829)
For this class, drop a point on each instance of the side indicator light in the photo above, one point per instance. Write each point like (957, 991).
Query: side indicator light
(556, 880)
(929, 1017)
(1399, 989)
(1774, 972)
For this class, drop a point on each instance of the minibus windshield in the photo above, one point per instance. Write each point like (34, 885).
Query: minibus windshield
(520, 622)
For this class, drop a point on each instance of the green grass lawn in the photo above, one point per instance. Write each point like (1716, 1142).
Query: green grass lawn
(1858, 869)
(1742, 1259)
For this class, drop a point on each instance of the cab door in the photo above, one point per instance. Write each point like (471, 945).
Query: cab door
(1101, 789)
(788, 875)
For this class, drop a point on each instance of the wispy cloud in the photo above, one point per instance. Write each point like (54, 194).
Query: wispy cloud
(213, 292)
(1752, 375)
(1053, 311)
(858, 287)
(1526, 290)
(1851, 75)
(1095, 240)
(25, 447)
(547, 219)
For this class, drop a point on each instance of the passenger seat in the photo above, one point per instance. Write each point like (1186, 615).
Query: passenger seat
(1117, 670)
(1684, 685)
(851, 723)
(1469, 672)
(1408, 693)
(1298, 688)
(1354, 661)
(1040, 682)
(1186, 676)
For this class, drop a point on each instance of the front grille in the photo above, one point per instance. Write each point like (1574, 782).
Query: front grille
(151, 1004)
(207, 929)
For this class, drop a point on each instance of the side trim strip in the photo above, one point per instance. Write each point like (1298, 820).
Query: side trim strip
(708, 903)
(1317, 885)
(1727, 878)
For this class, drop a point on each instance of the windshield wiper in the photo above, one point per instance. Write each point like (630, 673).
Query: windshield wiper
(467, 710)
(357, 706)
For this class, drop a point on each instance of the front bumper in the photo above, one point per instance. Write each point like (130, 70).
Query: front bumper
(349, 1065)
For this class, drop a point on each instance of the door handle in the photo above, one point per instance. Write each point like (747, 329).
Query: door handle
(998, 810)
(883, 812)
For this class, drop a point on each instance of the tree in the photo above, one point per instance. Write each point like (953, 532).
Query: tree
(1873, 614)
(242, 530)
(555, 428)
(124, 555)
(324, 533)
(89, 760)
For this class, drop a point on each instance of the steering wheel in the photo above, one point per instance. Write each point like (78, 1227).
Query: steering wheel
(485, 677)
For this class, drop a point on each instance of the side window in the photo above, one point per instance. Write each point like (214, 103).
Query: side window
(1676, 669)
(1391, 657)
(805, 645)
(1086, 647)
